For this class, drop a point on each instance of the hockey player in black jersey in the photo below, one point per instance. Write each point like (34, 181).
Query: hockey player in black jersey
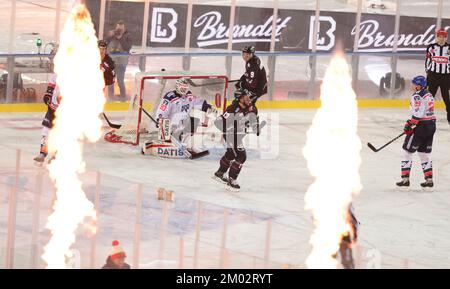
(233, 124)
(419, 129)
(254, 81)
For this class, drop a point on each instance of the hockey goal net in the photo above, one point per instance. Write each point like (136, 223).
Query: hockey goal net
(150, 88)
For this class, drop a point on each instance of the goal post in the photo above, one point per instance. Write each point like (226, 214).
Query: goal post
(150, 88)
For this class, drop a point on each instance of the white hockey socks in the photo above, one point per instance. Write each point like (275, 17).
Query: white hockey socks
(427, 165)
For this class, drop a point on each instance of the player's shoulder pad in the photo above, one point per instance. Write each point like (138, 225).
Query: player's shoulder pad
(171, 95)
(252, 109)
(256, 62)
(233, 107)
(417, 95)
(424, 92)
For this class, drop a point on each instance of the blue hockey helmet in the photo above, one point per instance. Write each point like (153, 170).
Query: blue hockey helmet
(420, 80)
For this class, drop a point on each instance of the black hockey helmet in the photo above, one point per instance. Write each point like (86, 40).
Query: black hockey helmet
(248, 49)
(239, 93)
(102, 43)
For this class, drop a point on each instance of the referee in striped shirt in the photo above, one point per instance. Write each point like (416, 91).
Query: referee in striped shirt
(437, 67)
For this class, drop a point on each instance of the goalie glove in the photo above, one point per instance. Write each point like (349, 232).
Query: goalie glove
(212, 110)
(238, 84)
(253, 123)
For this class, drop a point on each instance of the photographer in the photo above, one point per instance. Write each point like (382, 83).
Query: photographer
(119, 41)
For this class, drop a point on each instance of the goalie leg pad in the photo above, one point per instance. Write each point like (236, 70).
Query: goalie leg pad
(163, 150)
(164, 129)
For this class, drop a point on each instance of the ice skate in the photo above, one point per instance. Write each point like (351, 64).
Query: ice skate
(39, 160)
(403, 185)
(428, 185)
(218, 176)
(233, 185)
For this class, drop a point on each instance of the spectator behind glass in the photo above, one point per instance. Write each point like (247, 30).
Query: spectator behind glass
(119, 41)
(116, 257)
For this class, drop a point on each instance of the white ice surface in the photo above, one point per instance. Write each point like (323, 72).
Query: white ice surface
(406, 228)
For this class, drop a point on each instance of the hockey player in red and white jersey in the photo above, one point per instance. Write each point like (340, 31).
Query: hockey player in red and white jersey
(419, 129)
(52, 99)
(174, 115)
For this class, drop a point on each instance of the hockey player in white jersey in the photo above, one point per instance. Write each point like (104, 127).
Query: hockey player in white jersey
(174, 119)
(419, 129)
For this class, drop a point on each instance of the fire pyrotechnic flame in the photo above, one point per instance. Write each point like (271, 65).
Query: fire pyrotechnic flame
(80, 80)
(332, 152)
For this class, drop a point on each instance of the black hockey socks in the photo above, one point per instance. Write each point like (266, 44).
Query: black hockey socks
(224, 165)
(235, 169)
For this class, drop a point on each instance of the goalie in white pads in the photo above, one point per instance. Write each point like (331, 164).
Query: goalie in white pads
(175, 123)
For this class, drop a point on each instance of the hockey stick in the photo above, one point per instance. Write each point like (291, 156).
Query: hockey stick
(207, 84)
(391, 141)
(116, 126)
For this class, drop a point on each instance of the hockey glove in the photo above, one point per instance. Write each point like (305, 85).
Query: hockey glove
(409, 127)
(47, 98)
(238, 84)
(212, 110)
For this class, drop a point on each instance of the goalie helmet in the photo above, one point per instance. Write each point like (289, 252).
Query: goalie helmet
(181, 86)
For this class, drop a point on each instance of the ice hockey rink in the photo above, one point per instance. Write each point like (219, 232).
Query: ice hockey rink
(264, 225)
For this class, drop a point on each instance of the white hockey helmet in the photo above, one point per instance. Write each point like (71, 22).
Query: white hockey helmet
(182, 86)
